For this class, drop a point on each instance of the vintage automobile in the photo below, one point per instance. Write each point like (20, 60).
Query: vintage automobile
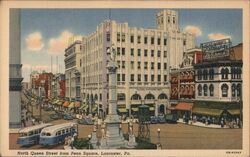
(171, 118)
(153, 120)
(68, 117)
(161, 119)
(85, 121)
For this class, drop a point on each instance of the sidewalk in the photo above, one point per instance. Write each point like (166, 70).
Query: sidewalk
(200, 124)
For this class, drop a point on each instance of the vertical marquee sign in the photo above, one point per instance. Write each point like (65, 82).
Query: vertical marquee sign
(216, 50)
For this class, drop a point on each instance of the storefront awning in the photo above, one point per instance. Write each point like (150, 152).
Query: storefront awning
(77, 104)
(71, 105)
(83, 107)
(207, 111)
(151, 108)
(234, 111)
(94, 108)
(60, 103)
(66, 104)
(184, 106)
(122, 110)
(134, 109)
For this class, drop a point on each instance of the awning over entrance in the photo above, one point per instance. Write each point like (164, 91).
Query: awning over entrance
(207, 111)
(83, 107)
(66, 104)
(184, 106)
(72, 105)
(234, 111)
(122, 110)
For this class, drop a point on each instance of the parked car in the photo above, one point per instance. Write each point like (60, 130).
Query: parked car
(153, 120)
(171, 118)
(68, 117)
(85, 121)
(56, 116)
(161, 119)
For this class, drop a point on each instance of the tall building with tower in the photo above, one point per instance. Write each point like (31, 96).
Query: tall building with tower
(144, 57)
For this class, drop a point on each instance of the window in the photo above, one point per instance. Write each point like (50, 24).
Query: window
(123, 51)
(152, 40)
(152, 78)
(108, 36)
(233, 70)
(145, 65)
(239, 73)
(123, 64)
(121, 96)
(152, 65)
(118, 77)
(199, 74)
(174, 20)
(205, 74)
(159, 54)
(234, 90)
(132, 64)
(211, 90)
(146, 78)
(165, 54)
(159, 66)
(224, 90)
(132, 52)
(159, 78)
(118, 37)
(80, 63)
(123, 77)
(139, 52)
(139, 65)
(145, 40)
(165, 78)
(224, 73)
(165, 41)
(184, 42)
(132, 77)
(199, 90)
(118, 51)
(63, 131)
(123, 37)
(165, 66)
(139, 78)
(205, 89)
(159, 41)
(132, 39)
(211, 74)
(152, 53)
(145, 53)
(139, 39)
(239, 90)
(118, 63)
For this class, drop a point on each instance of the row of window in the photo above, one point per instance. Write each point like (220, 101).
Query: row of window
(122, 51)
(122, 65)
(205, 89)
(122, 38)
(235, 73)
(122, 77)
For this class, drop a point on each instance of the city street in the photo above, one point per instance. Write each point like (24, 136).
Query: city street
(172, 136)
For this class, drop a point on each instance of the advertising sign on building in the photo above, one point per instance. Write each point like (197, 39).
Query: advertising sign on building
(216, 50)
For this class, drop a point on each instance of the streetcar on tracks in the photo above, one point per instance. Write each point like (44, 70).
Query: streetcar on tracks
(56, 134)
(31, 135)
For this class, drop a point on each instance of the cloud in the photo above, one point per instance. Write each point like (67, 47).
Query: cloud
(57, 45)
(218, 36)
(193, 30)
(34, 41)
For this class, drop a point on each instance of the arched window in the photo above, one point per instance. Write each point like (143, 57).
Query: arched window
(162, 96)
(226, 73)
(205, 73)
(96, 97)
(234, 90)
(149, 96)
(199, 90)
(211, 90)
(239, 73)
(121, 96)
(211, 74)
(238, 90)
(233, 73)
(224, 90)
(136, 97)
(205, 89)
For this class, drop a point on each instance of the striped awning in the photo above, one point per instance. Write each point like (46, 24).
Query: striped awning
(66, 104)
(83, 107)
(71, 105)
(207, 111)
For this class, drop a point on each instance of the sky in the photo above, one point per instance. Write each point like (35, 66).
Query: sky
(45, 32)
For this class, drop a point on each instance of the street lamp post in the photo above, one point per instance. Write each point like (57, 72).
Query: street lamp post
(89, 137)
(159, 142)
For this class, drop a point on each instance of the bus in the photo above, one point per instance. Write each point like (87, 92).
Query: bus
(56, 134)
(30, 135)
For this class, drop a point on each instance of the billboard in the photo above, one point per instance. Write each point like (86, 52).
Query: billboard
(216, 50)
